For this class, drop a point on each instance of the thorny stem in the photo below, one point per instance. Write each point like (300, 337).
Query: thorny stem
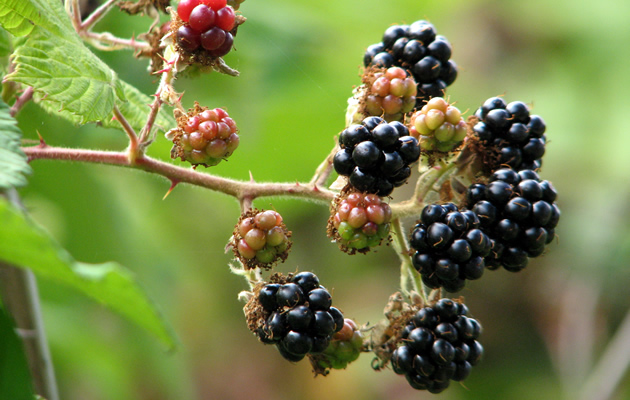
(410, 280)
(133, 150)
(24, 98)
(239, 189)
(99, 13)
(107, 42)
(324, 169)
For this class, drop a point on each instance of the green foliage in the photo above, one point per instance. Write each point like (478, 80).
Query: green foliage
(56, 63)
(15, 378)
(13, 165)
(24, 244)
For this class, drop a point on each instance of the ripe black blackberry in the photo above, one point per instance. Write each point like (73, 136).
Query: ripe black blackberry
(509, 129)
(418, 49)
(517, 211)
(438, 344)
(376, 155)
(295, 314)
(450, 247)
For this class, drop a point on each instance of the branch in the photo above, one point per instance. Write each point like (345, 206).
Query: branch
(238, 189)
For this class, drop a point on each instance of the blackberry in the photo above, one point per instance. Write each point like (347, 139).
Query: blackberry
(344, 348)
(204, 136)
(260, 239)
(204, 29)
(438, 126)
(517, 211)
(289, 312)
(516, 138)
(433, 351)
(390, 93)
(450, 247)
(376, 155)
(359, 221)
(418, 49)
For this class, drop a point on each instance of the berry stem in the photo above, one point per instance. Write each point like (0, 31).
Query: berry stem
(107, 42)
(410, 279)
(324, 169)
(24, 98)
(133, 150)
(238, 189)
(96, 15)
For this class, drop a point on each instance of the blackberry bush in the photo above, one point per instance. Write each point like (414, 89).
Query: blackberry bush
(450, 246)
(359, 222)
(418, 49)
(510, 135)
(376, 155)
(478, 200)
(294, 313)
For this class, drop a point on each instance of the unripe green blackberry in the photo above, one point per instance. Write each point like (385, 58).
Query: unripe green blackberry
(438, 126)
(260, 239)
(390, 93)
(204, 136)
(359, 221)
(344, 348)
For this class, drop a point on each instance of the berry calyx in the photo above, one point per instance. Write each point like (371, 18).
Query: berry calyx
(204, 136)
(260, 239)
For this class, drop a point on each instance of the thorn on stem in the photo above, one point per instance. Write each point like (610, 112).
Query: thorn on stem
(174, 183)
(42, 143)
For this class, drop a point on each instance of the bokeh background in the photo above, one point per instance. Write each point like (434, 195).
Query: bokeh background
(545, 329)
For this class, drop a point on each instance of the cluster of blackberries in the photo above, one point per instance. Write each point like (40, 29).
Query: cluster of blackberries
(517, 210)
(509, 129)
(376, 155)
(450, 246)
(204, 136)
(360, 221)
(419, 50)
(439, 344)
(260, 239)
(207, 25)
(299, 317)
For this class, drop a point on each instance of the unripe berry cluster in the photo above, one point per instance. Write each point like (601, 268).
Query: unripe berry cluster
(344, 348)
(359, 221)
(517, 210)
(204, 136)
(376, 155)
(509, 129)
(391, 93)
(450, 247)
(418, 49)
(295, 313)
(207, 25)
(438, 344)
(438, 126)
(261, 239)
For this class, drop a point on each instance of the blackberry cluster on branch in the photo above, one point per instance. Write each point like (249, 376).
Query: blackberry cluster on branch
(517, 210)
(376, 155)
(509, 130)
(359, 221)
(296, 315)
(418, 49)
(438, 344)
(450, 246)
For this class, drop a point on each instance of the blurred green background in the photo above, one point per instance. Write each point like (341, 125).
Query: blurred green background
(544, 328)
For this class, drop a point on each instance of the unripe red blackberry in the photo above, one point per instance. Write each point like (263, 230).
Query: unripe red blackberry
(438, 344)
(418, 49)
(204, 136)
(510, 135)
(295, 313)
(390, 93)
(204, 29)
(260, 239)
(344, 348)
(438, 126)
(359, 221)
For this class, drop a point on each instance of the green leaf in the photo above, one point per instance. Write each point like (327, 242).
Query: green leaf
(56, 63)
(20, 16)
(134, 108)
(5, 43)
(25, 245)
(13, 164)
(15, 376)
